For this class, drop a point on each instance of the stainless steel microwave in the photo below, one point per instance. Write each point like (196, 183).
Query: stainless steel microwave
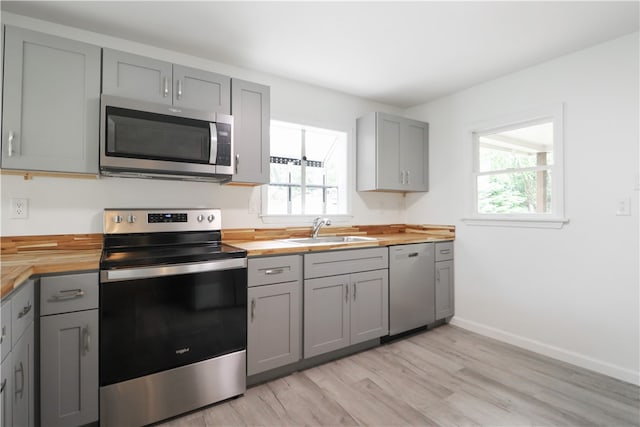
(141, 139)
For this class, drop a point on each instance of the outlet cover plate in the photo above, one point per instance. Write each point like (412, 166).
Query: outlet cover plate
(19, 208)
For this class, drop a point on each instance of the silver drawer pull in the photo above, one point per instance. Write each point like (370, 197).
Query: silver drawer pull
(445, 251)
(24, 311)
(274, 271)
(19, 391)
(4, 384)
(253, 308)
(68, 294)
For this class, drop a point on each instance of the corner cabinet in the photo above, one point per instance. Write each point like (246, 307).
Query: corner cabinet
(444, 289)
(346, 299)
(392, 153)
(275, 312)
(69, 337)
(18, 358)
(250, 107)
(51, 100)
(147, 79)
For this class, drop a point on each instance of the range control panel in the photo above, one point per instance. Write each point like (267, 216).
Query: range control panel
(119, 221)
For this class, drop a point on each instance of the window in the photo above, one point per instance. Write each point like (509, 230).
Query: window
(518, 168)
(308, 173)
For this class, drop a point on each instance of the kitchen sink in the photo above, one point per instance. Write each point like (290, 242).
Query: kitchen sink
(323, 240)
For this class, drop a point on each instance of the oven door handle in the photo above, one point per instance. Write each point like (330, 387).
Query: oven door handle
(171, 270)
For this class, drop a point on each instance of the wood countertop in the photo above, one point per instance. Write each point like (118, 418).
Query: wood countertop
(26, 256)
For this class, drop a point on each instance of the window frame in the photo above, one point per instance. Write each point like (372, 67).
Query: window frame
(306, 219)
(556, 217)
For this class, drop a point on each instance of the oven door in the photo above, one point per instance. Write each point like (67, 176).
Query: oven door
(157, 318)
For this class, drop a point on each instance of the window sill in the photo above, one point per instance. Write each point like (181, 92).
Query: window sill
(303, 220)
(508, 221)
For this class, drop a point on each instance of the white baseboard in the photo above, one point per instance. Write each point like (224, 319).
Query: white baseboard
(577, 359)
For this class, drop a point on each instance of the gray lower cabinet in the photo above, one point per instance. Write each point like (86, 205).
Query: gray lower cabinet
(17, 369)
(445, 291)
(250, 107)
(51, 100)
(147, 79)
(275, 312)
(69, 365)
(347, 308)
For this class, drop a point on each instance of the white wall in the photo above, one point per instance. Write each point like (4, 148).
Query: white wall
(59, 205)
(570, 293)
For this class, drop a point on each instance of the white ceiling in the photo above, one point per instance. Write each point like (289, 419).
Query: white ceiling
(397, 53)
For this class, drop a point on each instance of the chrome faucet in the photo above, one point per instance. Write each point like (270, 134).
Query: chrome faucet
(317, 224)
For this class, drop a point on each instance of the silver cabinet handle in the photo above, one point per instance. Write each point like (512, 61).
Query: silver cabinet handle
(86, 335)
(402, 177)
(165, 92)
(274, 271)
(237, 161)
(346, 297)
(10, 144)
(355, 290)
(253, 308)
(68, 294)
(445, 251)
(179, 89)
(408, 176)
(21, 390)
(24, 311)
(4, 384)
(438, 275)
(4, 334)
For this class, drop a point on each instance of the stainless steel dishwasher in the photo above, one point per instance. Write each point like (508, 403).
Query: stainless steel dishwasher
(411, 286)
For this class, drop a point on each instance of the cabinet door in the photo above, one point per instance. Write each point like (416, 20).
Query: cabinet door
(137, 77)
(273, 331)
(389, 134)
(201, 90)
(444, 289)
(369, 305)
(326, 314)
(51, 103)
(69, 368)
(250, 107)
(414, 153)
(23, 384)
(6, 392)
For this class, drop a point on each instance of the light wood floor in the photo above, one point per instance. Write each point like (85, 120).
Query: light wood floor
(447, 376)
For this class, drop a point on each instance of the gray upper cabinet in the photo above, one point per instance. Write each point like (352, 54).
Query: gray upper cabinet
(251, 110)
(392, 153)
(138, 77)
(51, 103)
(69, 333)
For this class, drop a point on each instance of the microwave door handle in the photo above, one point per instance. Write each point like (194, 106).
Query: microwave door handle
(213, 141)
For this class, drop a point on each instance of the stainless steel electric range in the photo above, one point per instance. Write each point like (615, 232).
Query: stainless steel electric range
(173, 315)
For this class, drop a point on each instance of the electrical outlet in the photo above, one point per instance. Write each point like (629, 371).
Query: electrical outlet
(19, 208)
(623, 207)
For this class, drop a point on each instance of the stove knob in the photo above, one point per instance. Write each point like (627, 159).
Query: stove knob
(210, 218)
(200, 218)
(117, 219)
(131, 219)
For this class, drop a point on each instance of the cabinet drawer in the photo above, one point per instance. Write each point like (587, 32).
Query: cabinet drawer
(444, 251)
(72, 292)
(5, 328)
(22, 307)
(280, 269)
(345, 262)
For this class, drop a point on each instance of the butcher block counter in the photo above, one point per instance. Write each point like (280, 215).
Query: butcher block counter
(25, 256)
(270, 241)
